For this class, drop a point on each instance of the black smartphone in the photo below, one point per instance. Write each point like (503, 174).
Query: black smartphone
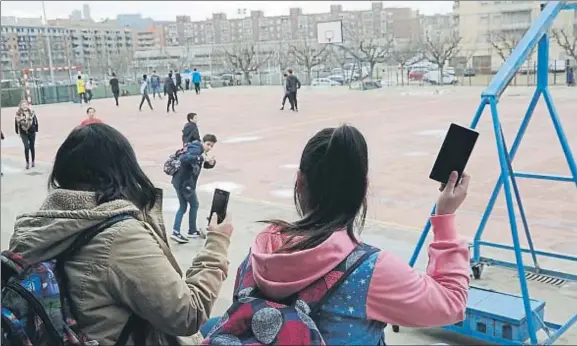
(455, 152)
(219, 204)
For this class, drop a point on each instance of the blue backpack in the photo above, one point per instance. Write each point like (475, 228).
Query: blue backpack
(36, 305)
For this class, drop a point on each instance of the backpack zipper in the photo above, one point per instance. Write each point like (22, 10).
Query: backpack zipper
(39, 310)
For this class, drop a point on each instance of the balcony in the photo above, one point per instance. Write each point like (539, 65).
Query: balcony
(515, 26)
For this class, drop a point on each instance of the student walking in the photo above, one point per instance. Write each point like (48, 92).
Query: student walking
(115, 87)
(155, 85)
(170, 90)
(89, 88)
(190, 131)
(144, 92)
(196, 78)
(178, 81)
(26, 125)
(184, 182)
(292, 85)
(81, 89)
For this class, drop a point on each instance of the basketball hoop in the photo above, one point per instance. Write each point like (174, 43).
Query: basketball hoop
(330, 32)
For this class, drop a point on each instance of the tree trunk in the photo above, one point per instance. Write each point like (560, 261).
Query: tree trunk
(246, 77)
(309, 80)
(403, 75)
(371, 69)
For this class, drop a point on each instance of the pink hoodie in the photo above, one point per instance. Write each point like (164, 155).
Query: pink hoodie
(397, 293)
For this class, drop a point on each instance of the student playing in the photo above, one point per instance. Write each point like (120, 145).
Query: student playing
(294, 257)
(155, 85)
(144, 92)
(170, 90)
(26, 125)
(184, 181)
(196, 77)
(292, 85)
(190, 131)
(114, 86)
(81, 89)
(91, 118)
(89, 87)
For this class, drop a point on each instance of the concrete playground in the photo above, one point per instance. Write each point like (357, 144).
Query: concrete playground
(259, 149)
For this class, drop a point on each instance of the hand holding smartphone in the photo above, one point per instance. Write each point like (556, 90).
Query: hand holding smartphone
(218, 219)
(454, 153)
(219, 205)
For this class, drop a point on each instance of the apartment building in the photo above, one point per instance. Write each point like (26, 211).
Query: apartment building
(438, 26)
(490, 29)
(256, 27)
(98, 47)
(25, 46)
(152, 37)
(195, 38)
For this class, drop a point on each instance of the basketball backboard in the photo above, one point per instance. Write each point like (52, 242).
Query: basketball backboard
(330, 32)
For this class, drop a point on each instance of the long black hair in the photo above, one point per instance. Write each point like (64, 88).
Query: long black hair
(331, 193)
(98, 158)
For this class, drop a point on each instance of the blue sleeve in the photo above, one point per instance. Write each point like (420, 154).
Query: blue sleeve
(191, 154)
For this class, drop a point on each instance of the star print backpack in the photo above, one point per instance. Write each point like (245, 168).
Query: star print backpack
(36, 307)
(254, 319)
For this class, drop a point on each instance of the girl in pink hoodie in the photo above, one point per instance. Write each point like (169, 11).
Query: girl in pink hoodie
(331, 197)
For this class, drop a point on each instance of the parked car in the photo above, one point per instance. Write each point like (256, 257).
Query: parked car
(469, 72)
(434, 77)
(323, 82)
(337, 78)
(417, 74)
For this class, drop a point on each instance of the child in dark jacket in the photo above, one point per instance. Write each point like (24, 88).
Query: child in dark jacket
(184, 182)
(190, 131)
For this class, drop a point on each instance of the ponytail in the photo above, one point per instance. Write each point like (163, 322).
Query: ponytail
(331, 194)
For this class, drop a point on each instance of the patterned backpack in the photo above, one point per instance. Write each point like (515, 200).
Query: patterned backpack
(254, 319)
(36, 305)
(172, 164)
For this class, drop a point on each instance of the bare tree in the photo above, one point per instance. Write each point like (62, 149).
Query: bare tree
(566, 41)
(284, 58)
(246, 59)
(374, 51)
(439, 49)
(308, 56)
(405, 52)
(504, 43)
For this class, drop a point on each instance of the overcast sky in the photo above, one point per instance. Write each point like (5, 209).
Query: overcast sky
(198, 10)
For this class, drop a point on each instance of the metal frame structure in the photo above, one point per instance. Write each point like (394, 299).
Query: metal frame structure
(536, 36)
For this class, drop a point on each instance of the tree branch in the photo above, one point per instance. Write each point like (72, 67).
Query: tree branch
(569, 44)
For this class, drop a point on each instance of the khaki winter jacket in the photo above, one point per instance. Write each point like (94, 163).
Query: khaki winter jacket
(126, 269)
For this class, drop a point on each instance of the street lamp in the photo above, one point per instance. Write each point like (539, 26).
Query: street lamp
(48, 44)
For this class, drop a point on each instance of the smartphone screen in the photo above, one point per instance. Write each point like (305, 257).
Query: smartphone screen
(219, 204)
(455, 152)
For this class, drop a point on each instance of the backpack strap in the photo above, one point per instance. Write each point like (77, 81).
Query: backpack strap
(367, 252)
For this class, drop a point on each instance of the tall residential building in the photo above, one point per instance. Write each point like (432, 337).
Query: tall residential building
(151, 37)
(256, 27)
(25, 46)
(134, 21)
(86, 15)
(75, 15)
(438, 25)
(98, 47)
(490, 29)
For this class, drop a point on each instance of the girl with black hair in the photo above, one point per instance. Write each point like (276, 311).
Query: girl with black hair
(128, 269)
(330, 195)
(26, 125)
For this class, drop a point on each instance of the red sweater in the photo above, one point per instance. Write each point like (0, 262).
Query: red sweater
(90, 121)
